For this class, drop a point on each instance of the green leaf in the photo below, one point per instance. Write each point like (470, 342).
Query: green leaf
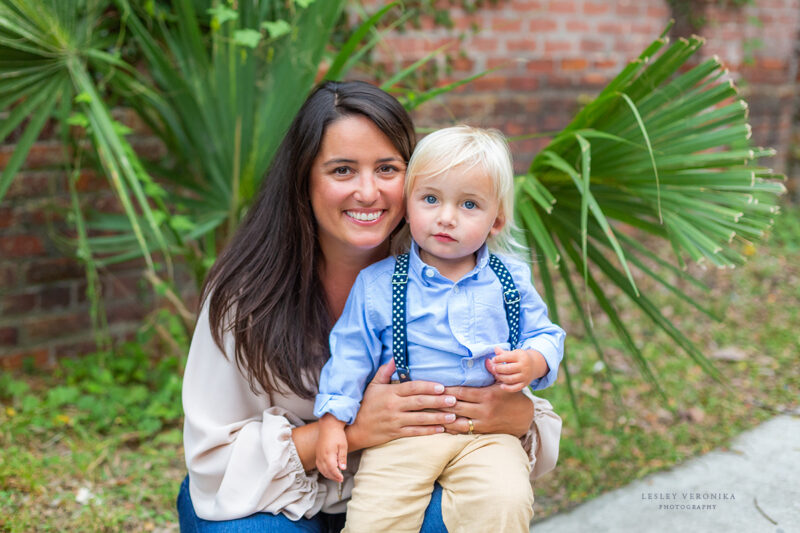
(181, 223)
(222, 13)
(249, 38)
(335, 71)
(78, 119)
(82, 98)
(276, 28)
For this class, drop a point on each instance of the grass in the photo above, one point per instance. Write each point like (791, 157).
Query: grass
(96, 445)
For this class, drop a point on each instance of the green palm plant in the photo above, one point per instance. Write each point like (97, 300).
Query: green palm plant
(665, 151)
(221, 87)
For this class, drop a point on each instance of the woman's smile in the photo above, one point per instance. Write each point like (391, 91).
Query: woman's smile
(365, 216)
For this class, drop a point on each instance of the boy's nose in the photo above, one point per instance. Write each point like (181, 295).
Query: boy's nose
(447, 217)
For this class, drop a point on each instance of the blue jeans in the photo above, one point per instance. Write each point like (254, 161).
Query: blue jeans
(269, 523)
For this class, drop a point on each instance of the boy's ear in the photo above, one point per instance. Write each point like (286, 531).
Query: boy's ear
(499, 222)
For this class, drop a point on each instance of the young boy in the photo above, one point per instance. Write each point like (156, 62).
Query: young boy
(441, 311)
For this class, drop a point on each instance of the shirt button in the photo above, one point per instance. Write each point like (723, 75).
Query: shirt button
(455, 289)
(429, 272)
(470, 363)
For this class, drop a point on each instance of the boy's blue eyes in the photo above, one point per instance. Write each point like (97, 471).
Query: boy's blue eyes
(430, 199)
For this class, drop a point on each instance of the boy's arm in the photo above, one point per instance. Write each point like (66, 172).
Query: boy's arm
(331, 448)
(516, 369)
(538, 335)
(355, 348)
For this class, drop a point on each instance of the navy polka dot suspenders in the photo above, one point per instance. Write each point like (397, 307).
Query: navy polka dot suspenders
(399, 333)
(400, 290)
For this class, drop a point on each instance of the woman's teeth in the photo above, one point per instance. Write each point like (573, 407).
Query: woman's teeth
(366, 217)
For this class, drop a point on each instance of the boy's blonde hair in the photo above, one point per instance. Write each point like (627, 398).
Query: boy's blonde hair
(466, 146)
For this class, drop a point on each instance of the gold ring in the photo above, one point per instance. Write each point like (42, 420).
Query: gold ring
(471, 426)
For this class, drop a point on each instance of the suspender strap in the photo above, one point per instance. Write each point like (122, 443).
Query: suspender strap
(510, 299)
(399, 332)
(400, 290)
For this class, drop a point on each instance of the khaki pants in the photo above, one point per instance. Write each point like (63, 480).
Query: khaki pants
(485, 482)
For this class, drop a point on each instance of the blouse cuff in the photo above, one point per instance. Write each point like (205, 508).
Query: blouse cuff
(300, 495)
(542, 439)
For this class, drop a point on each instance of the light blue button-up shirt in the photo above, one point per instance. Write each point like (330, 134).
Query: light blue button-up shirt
(452, 329)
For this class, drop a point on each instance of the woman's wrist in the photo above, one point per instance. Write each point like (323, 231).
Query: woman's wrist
(305, 442)
(527, 412)
(355, 437)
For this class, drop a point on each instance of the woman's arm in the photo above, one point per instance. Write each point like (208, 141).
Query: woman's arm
(239, 450)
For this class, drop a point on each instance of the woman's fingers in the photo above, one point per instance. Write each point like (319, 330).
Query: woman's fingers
(461, 426)
(413, 388)
(475, 394)
(384, 373)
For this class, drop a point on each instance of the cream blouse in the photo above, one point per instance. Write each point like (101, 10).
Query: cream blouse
(239, 449)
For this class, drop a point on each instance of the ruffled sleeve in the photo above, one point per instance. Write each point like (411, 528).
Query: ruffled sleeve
(239, 449)
(542, 440)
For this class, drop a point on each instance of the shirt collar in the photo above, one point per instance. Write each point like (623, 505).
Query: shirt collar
(417, 266)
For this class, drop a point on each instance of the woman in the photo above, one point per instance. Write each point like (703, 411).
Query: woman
(328, 207)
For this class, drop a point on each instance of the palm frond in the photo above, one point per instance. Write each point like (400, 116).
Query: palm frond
(665, 151)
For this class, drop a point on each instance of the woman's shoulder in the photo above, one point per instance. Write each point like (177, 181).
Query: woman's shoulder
(380, 272)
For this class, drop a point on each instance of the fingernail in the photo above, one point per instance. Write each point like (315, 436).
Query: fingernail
(439, 388)
(449, 417)
(439, 429)
(450, 400)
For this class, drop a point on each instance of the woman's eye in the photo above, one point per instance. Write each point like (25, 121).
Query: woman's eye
(341, 171)
(387, 169)
(429, 199)
(469, 204)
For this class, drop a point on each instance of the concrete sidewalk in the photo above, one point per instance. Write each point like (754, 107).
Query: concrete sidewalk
(753, 487)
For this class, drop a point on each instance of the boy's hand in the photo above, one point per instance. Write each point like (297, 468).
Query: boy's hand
(331, 448)
(515, 369)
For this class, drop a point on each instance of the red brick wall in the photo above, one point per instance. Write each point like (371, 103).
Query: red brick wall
(44, 311)
(549, 54)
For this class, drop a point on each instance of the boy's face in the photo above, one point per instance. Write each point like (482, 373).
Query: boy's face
(451, 215)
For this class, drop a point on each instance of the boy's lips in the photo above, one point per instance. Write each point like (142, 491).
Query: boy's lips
(443, 237)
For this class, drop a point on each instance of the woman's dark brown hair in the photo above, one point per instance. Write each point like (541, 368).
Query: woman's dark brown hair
(264, 287)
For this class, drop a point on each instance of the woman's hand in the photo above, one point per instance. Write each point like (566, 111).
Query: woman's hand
(491, 409)
(389, 411)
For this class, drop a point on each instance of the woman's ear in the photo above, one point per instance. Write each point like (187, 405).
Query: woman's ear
(498, 225)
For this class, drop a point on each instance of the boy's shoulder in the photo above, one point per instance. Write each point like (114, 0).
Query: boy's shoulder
(515, 265)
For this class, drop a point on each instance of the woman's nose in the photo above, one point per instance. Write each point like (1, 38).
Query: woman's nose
(367, 191)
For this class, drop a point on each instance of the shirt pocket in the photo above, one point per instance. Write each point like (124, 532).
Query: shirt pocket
(491, 327)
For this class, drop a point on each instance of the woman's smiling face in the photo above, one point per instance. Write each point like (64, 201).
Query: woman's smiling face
(356, 186)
